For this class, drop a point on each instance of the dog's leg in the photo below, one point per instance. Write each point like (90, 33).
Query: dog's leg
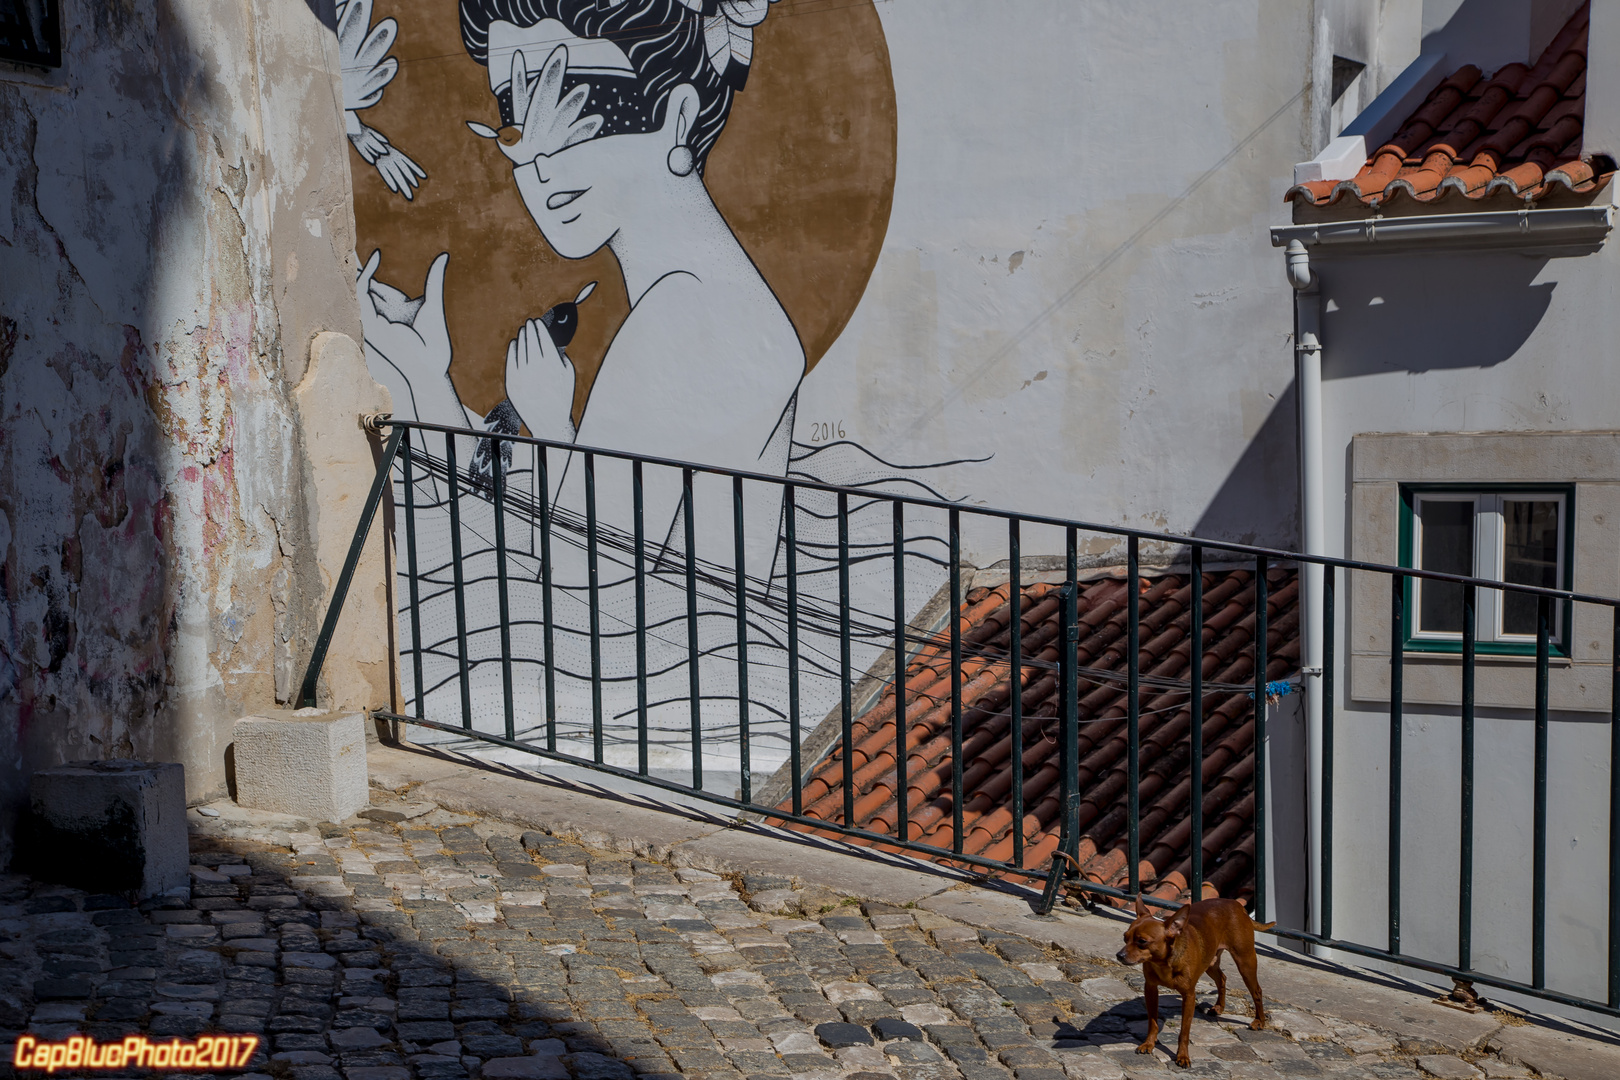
(1248, 967)
(1150, 999)
(1189, 1003)
(1219, 976)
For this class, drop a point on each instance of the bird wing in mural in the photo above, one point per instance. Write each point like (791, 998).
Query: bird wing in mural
(367, 70)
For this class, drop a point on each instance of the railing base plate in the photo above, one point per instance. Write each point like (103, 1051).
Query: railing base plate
(1463, 997)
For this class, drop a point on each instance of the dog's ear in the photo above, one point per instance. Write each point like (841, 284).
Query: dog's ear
(1141, 908)
(1174, 924)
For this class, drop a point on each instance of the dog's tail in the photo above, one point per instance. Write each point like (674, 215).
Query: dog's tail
(1263, 925)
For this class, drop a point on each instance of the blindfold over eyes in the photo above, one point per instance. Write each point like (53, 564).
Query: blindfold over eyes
(624, 109)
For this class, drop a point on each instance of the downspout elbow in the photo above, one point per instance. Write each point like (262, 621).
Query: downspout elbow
(1299, 266)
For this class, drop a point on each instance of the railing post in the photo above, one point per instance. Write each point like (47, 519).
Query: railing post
(638, 513)
(460, 586)
(845, 705)
(694, 674)
(1071, 693)
(1330, 575)
(790, 519)
(1397, 659)
(902, 750)
(1465, 839)
(1262, 833)
(410, 569)
(548, 638)
(1538, 907)
(955, 529)
(1133, 713)
(593, 584)
(741, 583)
(497, 472)
(1195, 732)
(1068, 725)
(1015, 684)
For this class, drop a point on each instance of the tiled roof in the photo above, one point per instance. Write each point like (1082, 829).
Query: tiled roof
(1228, 767)
(1515, 135)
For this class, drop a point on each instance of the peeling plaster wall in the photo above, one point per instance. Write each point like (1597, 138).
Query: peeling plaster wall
(175, 229)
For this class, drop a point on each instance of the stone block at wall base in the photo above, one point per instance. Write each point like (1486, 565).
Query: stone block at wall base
(107, 826)
(307, 763)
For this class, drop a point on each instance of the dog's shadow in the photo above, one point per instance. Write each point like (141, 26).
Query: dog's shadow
(1116, 1023)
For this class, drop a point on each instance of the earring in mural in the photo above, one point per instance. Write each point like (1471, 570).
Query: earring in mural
(681, 159)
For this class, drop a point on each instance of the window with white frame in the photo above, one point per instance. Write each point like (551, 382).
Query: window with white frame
(1505, 534)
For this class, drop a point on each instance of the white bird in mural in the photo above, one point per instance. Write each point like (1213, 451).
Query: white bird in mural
(367, 70)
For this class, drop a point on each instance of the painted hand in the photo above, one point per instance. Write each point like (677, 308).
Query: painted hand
(367, 68)
(546, 121)
(540, 383)
(397, 170)
(409, 334)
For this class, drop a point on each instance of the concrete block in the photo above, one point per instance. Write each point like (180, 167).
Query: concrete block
(307, 763)
(108, 826)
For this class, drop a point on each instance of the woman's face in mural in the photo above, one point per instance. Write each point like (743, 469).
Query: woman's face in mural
(585, 151)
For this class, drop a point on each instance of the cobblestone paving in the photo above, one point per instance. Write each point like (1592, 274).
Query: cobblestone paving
(418, 943)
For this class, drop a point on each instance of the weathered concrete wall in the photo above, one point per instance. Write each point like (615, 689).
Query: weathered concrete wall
(175, 228)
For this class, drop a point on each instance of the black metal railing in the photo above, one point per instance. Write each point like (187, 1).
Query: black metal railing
(779, 627)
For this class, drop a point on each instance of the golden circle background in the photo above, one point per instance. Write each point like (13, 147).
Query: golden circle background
(803, 172)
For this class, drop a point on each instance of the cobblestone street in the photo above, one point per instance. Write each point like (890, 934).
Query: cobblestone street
(414, 941)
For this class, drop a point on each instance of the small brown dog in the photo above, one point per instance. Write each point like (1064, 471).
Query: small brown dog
(1174, 952)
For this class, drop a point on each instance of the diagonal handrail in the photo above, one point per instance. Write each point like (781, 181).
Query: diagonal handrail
(340, 591)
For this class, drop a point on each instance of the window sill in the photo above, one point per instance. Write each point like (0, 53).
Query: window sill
(1485, 651)
(1506, 682)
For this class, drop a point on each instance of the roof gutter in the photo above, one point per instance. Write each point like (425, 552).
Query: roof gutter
(1559, 228)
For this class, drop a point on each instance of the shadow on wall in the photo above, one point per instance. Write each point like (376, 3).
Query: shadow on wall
(1428, 312)
(325, 11)
(1413, 313)
(95, 184)
(1258, 503)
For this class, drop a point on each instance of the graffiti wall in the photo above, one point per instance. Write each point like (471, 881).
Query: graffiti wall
(852, 242)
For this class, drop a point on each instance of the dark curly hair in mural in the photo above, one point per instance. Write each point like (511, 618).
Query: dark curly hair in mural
(664, 40)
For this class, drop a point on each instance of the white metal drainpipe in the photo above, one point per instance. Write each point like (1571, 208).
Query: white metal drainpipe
(1313, 539)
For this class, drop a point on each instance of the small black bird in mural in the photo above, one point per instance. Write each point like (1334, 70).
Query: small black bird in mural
(562, 323)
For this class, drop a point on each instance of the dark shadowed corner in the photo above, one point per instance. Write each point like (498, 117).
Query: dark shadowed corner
(1258, 502)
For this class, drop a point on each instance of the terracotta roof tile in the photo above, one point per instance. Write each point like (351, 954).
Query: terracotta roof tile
(1165, 777)
(1516, 133)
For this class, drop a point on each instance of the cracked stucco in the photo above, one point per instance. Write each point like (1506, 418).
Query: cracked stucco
(158, 576)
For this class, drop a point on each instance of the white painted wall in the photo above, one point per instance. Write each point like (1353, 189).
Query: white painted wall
(1469, 343)
(1075, 278)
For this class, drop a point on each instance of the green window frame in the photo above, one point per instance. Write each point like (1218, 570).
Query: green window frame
(1486, 540)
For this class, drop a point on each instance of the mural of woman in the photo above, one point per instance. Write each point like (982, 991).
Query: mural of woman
(607, 113)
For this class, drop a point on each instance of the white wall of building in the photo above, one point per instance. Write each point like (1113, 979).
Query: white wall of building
(1075, 279)
(1473, 342)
